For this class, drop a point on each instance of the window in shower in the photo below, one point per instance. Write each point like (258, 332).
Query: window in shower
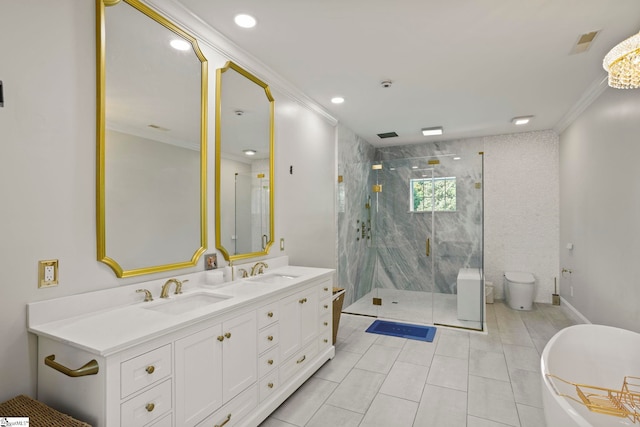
(433, 194)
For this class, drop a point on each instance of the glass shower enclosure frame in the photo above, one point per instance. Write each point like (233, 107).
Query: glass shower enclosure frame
(425, 228)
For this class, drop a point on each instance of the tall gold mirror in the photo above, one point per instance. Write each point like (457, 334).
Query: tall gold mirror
(151, 141)
(244, 164)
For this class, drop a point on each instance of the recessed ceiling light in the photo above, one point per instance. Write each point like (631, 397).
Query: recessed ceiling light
(245, 21)
(249, 152)
(432, 131)
(523, 120)
(337, 100)
(456, 158)
(180, 44)
(414, 167)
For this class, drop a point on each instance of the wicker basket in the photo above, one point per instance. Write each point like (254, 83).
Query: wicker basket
(40, 415)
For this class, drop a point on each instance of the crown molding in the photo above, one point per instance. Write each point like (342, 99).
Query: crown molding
(213, 39)
(592, 93)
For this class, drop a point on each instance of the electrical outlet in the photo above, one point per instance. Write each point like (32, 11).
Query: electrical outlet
(48, 273)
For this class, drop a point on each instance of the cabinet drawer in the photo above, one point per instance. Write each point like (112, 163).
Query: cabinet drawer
(144, 370)
(325, 307)
(233, 411)
(268, 337)
(325, 324)
(268, 361)
(268, 314)
(296, 363)
(325, 289)
(268, 385)
(147, 406)
(325, 340)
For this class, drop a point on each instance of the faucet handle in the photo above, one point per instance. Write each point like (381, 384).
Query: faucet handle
(243, 273)
(179, 286)
(147, 295)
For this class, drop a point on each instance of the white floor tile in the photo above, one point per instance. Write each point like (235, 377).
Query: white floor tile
(329, 415)
(531, 417)
(492, 400)
(449, 372)
(488, 364)
(378, 358)
(357, 391)
(405, 381)
(337, 368)
(442, 407)
(301, 406)
(388, 411)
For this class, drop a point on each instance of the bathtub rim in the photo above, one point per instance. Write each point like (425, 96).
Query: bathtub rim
(549, 388)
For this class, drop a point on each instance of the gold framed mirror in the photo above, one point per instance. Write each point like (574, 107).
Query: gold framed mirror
(244, 164)
(151, 141)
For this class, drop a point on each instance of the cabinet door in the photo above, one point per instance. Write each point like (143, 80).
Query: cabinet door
(239, 355)
(290, 325)
(309, 317)
(198, 375)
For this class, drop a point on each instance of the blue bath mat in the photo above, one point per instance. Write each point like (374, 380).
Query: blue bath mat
(403, 330)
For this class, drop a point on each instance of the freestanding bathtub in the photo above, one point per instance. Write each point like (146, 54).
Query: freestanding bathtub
(594, 355)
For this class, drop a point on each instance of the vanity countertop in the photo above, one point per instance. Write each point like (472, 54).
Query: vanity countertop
(106, 330)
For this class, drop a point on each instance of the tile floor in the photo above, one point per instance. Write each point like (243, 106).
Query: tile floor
(462, 379)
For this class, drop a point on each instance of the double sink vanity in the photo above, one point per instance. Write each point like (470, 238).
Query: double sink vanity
(226, 354)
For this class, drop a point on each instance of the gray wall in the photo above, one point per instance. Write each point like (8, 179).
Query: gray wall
(600, 210)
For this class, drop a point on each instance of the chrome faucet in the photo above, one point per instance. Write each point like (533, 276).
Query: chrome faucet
(165, 288)
(258, 268)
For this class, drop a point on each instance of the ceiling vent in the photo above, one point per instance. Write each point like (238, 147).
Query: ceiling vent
(387, 135)
(584, 42)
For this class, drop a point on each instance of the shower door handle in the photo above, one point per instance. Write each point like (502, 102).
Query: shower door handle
(428, 246)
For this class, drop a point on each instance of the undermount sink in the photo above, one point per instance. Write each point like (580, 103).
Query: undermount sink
(179, 304)
(274, 278)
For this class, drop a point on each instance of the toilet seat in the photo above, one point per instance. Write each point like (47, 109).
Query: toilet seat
(519, 277)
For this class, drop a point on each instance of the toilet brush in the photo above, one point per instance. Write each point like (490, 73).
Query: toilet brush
(555, 298)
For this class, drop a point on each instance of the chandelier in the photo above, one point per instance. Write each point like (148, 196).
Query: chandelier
(623, 64)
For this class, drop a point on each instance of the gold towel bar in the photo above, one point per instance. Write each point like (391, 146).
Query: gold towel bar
(89, 368)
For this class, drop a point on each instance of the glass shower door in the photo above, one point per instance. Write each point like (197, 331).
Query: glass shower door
(403, 236)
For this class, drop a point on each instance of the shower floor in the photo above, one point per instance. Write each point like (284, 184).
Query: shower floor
(412, 306)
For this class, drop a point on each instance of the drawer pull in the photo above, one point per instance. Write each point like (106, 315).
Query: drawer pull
(270, 361)
(270, 337)
(270, 385)
(220, 338)
(225, 421)
(326, 289)
(302, 301)
(150, 369)
(89, 368)
(325, 323)
(326, 306)
(270, 314)
(150, 407)
(227, 335)
(301, 359)
(326, 340)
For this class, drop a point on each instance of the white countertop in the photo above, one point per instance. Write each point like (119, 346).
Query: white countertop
(91, 324)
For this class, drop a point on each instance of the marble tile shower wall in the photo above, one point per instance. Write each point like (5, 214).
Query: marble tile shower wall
(354, 253)
(394, 255)
(400, 236)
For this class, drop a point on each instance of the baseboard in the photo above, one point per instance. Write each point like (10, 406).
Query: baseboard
(575, 310)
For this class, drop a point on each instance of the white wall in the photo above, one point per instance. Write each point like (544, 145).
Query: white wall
(600, 210)
(521, 216)
(48, 174)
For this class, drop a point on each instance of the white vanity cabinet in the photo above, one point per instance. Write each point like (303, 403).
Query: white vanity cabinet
(213, 366)
(231, 366)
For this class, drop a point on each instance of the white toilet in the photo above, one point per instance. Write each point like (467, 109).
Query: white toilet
(519, 289)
